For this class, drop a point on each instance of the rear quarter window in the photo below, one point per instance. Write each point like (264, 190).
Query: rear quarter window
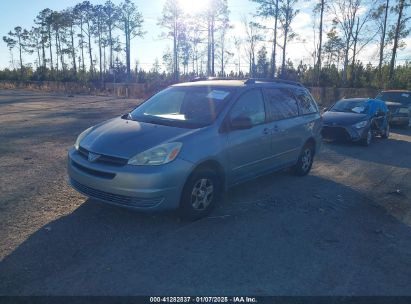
(282, 103)
(306, 103)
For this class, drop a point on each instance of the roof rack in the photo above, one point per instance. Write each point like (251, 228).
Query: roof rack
(249, 80)
(277, 80)
(212, 78)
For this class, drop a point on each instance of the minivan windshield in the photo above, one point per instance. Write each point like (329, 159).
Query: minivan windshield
(351, 106)
(186, 107)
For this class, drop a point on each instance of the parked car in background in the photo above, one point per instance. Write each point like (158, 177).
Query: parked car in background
(398, 103)
(357, 120)
(182, 147)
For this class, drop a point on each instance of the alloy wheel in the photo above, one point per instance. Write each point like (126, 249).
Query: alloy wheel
(202, 194)
(306, 159)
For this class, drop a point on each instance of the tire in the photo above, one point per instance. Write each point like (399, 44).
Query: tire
(386, 132)
(305, 161)
(368, 139)
(200, 195)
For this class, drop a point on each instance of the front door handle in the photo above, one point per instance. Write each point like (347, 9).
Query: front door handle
(276, 128)
(266, 131)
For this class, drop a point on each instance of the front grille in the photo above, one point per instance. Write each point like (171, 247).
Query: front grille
(335, 133)
(106, 159)
(97, 173)
(115, 198)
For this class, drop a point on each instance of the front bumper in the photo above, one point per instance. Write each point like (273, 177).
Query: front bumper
(137, 187)
(342, 133)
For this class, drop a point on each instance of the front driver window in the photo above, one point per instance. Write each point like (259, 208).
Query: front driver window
(249, 105)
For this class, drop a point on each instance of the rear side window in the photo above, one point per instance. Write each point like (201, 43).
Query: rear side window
(306, 103)
(250, 105)
(282, 103)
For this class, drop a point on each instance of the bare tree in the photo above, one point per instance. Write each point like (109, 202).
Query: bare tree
(253, 36)
(42, 21)
(195, 36)
(131, 23)
(380, 15)
(57, 25)
(217, 17)
(111, 16)
(320, 7)
(345, 13)
(49, 21)
(80, 21)
(98, 30)
(238, 43)
(34, 42)
(172, 20)
(287, 14)
(70, 23)
(269, 9)
(18, 38)
(224, 55)
(398, 32)
(360, 41)
(333, 48)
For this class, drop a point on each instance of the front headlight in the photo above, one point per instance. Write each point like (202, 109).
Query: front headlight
(360, 124)
(80, 137)
(159, 155)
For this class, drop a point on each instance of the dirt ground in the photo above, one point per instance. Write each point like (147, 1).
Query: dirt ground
(343, 230)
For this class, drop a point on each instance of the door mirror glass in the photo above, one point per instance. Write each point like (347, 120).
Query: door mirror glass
(241, 123)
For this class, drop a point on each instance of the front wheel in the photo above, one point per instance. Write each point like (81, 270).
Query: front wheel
(366, 141)
(200, 194)
(305, 161)
(386, 132)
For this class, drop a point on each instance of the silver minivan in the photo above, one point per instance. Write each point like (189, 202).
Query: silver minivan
(185, 145)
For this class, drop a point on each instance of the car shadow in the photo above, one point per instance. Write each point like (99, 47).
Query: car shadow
(403, 130)
(381, 151)
(276, 235)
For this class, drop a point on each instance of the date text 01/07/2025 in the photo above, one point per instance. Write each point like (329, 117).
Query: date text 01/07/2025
(203, 300)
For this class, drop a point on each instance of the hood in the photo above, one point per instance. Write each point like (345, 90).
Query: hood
(342, 118)
(126, 138)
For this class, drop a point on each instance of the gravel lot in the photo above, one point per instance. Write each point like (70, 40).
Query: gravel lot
(343, 230)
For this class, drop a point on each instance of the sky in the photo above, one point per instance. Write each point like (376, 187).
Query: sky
(146, 50)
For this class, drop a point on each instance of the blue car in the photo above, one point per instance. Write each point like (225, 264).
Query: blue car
(356, 120)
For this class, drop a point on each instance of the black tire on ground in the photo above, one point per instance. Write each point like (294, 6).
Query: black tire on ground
(200, 194)
(386, 133)
(305, 160)
(366, 141)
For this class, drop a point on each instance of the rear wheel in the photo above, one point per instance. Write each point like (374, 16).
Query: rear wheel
(200, 194)
(305, 160)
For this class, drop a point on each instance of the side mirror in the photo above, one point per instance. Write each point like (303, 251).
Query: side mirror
(325, 109)
(125, 116)
(241, 123)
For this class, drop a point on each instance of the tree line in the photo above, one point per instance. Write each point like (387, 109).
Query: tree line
(90, 42)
